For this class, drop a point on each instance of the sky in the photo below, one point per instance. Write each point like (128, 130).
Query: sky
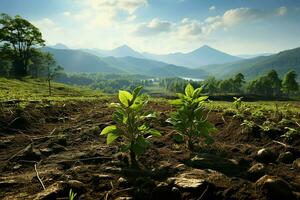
(165, 26)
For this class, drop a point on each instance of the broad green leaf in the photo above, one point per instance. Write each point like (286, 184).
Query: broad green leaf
(125, 97)
(203, 98)
(108, 129)
(189, 90)
(119, 117)
(137, 91)
(197, 92)
(112, 137)
(154, 132)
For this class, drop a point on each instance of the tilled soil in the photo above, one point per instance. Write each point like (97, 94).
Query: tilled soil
(60, 144)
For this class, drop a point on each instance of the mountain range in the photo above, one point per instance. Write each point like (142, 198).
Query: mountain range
(82, 61)
(126, 60)
(204, 55)
(251, 68)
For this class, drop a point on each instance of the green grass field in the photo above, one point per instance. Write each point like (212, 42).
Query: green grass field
(37, 89)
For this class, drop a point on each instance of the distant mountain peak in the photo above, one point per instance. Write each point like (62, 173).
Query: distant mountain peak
(124, 47)
(124, 51)
(59, 46)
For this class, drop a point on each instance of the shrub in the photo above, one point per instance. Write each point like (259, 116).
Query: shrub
(190, 119)
(132, 124)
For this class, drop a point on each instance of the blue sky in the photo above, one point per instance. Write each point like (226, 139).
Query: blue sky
(165, 26)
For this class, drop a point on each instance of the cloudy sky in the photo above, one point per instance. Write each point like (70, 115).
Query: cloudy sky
(165, 26)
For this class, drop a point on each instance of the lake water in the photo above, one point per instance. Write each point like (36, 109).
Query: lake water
(192, 79)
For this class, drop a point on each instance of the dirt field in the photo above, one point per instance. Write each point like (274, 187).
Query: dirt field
(60, 143)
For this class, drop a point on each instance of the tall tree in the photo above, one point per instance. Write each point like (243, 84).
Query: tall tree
(5, 61)
(22, 37)
(289, 83)
(238, 82)
(52, 70)
(275, 82)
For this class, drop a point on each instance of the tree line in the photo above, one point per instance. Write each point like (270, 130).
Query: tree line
(269, 85)
(20, 53)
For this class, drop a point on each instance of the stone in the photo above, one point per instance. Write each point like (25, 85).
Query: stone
(256, 171)
(265, 156)
(189, 183)
(296, 163)
(77, 186)
(51, 192)
(286, 157)
(215, 162)
(275, 188)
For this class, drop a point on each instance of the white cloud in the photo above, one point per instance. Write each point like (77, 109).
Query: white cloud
(67, 13)
(189, 28)
(154, 27)
(212, 8)
(125, 5)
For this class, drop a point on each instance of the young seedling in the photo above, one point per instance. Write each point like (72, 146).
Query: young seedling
(132, 124)
(238, 105)
(190, 119)
(72, 195)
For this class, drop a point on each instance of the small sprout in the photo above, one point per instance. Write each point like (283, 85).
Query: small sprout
(72, 195)
(249, 125)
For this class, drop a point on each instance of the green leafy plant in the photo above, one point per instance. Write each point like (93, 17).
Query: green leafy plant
(249, 125)
(72, 195)
(258, 114)
(190, 119)
(132, 124)
(238, 105)
(268, 126)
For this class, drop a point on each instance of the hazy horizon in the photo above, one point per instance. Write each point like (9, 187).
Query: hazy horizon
(236, 27)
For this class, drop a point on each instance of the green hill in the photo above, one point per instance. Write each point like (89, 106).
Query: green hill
(80, 61)
(36, 89)
(281, 62)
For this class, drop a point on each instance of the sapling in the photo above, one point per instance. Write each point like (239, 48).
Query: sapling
(132, 124)
(190, 119)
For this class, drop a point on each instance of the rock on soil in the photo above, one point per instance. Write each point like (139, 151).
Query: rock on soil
(286, 157)
(256, 171)
(265, 155)
(275, 188)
